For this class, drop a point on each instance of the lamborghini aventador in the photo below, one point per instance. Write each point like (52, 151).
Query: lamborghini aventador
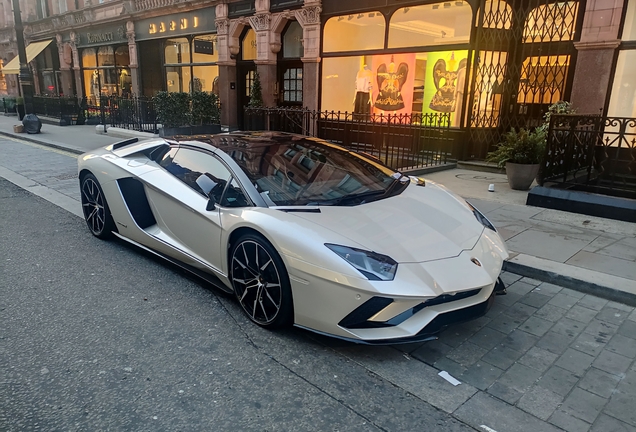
(301, 231)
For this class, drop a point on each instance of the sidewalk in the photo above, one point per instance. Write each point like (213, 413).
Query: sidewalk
(588, 254)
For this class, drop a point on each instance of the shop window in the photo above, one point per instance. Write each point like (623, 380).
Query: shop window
(177, 51)
(293, 41)
(89, 58)
(204, 49)
(356, 32)
(623, 97)
(629, 28)
(249, 81)
(497, 15)
(248, 46)
(436, 24)
(543, 79)
(122, 57)
(489, 88)
(105, 56)
(553, 22)
(206, 79)
(293, 85)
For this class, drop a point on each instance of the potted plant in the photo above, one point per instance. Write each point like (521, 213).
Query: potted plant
(19, 105)
(173, 112)
(205, 113)
(520, 153)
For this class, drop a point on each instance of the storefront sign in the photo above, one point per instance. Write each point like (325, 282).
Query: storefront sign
(196, 22)
(102, 36)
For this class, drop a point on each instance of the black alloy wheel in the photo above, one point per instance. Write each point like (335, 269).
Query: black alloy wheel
(261, 283)
(95, 208)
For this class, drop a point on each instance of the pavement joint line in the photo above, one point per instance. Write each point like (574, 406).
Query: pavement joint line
(42, 143)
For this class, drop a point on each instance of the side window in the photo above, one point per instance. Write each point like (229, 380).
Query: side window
(168, 157)
(234, 196)
(187, 165)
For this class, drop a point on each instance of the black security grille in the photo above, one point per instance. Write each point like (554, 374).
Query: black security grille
(522, 62)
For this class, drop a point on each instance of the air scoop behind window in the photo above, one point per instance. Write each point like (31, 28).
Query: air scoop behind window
(298, 209)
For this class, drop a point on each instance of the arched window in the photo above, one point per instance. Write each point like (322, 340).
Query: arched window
(105, 56)
(436, 24)
(497, 15)
(553, 22)
(293, 41)
(248, 45)
(357, 32)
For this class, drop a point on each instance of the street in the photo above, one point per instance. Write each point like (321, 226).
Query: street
(99, 335)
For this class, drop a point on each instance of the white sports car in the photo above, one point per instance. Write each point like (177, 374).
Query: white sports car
(302, 231)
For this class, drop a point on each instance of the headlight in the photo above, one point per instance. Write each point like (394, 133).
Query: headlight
(481, 218)
(373, 265)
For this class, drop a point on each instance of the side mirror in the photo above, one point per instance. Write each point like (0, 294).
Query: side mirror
(207, 184)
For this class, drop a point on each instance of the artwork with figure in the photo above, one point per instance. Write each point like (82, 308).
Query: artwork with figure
(390, 80)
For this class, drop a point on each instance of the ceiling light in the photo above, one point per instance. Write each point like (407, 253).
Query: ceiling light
(459, 3)
(371, 15)
(350, 18)
(447, 5)
(435, 6)
(360, 16)
(340, 18)
(406, 10)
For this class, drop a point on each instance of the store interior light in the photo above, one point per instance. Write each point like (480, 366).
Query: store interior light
(459, 3)
(360, 16)
(371, 15)
(447, 5)
(435, 6)
(350, 18)
(406, 10)
(340, 18)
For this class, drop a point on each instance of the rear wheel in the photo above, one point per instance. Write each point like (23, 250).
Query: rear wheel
(261, 283)
(95, 208)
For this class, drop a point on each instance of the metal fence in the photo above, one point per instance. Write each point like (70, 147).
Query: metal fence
(65, 108)
(401, 141)
(134, 113)
(591, 153)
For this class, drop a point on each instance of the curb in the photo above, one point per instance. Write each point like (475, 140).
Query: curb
(599, 284)
(41, 142)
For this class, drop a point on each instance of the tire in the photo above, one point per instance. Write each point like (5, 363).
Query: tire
(95, 208)
(261, 282)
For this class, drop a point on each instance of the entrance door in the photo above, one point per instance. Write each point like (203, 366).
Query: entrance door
(290, 84)
(246, 72)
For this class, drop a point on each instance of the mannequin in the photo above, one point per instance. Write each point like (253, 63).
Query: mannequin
(362, 102)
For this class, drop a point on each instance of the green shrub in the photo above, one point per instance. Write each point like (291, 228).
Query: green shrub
(173, 108)
(256, 92)
(205, 108)
(522, 147)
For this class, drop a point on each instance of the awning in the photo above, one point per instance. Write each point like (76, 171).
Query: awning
(35, 48)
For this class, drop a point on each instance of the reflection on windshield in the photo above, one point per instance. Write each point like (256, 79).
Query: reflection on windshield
(290, 170)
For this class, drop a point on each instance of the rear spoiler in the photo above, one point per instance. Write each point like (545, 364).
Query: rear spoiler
(133, 145)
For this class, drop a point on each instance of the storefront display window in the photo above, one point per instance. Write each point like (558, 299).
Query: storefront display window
(190, 64)
(106, 72)
(488, 93)
(543, 79)
(355, 32)
(629, 28)
(623, 98)
(553, 22)
(497, 15)
(436, 24)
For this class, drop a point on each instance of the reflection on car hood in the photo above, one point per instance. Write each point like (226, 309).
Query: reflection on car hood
(421, 224)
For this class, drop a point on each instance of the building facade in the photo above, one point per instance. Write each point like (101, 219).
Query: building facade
(489, 64)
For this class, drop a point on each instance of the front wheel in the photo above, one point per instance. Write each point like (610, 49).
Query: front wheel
(95, 208)
(261, 283)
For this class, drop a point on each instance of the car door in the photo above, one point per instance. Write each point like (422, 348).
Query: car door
(180, 206)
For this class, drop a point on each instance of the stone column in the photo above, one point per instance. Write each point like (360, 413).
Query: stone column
(228, 48)
(265, 58)
(132, 54)
(596, 49)
(66, 60)
(76, 65)
(309, 19)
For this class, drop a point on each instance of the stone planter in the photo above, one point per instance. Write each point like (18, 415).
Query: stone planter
(520, 176)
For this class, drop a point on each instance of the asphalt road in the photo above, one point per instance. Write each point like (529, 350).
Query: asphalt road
(98, 335)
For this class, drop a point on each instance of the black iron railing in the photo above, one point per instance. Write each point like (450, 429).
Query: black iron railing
(591, 153)
(133, 113)
(402, 141)
(65, 108)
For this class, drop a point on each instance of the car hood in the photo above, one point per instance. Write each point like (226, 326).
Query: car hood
(421, 224)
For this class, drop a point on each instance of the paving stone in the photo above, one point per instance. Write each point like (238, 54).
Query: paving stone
(567, 422)
(632, 316)
(628, 329)
(583, 405)
(504, 323)
(621, 405)
(509, 278)
(592, 302)
(488, 337)
(612, 315)
(538, 359)
(611, 362)
(620, 306)
(622, 345)
(496, 309)
(575, 361)
(505, 393)
(540, 402)
(466, 354)
(455, 336)
(534, 282)
(599, 382)
(548, 289)
(601, 329)
(535, 299)
(520, 311)
(521, 288)
(605, 423)
(573, 293)
(502, 357)
(431, 351)
(481, 375)
(581, 314)
(550, 313)
(563, 300)
(519, 377)
(450, 366)
(509, 299)
(519, 341)
(568, 327)
(536, 326)
(590, 344)
(554, 342)
(558, 380)
(485, 410)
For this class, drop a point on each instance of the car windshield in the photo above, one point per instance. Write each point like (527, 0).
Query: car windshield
(289, 170)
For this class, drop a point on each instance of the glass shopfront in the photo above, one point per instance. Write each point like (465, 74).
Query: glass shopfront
(623, 96)
(106, 71)
(425, 78)
(190, 64)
